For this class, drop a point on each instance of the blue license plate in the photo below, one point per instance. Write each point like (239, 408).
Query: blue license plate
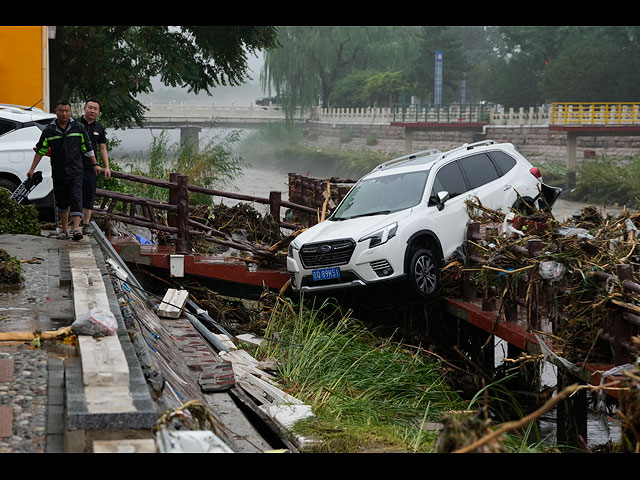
(326, 273)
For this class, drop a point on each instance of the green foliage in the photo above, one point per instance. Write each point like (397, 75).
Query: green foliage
(602, 180)
(116, 63)
(10, 269)
(16, 218)
(306, 69)
(211, 165)
(366, 394)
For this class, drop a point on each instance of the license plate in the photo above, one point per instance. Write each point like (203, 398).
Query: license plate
(326, 273)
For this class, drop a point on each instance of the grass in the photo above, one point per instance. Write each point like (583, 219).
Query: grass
(212, 165)
(367, 395)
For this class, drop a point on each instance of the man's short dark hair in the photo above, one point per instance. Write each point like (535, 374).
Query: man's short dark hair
(62, 102)
(94, 100)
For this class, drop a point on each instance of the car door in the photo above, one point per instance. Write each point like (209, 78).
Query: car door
(451, 221)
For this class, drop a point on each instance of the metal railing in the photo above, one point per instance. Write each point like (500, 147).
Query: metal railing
(441, 114)
(606, 113)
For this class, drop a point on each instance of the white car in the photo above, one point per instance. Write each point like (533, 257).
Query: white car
(20, 129)
(400, 221)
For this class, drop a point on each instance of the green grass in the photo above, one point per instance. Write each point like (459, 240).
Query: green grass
(367, 395)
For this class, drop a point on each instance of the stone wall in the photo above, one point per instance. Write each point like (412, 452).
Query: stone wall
(537, 143)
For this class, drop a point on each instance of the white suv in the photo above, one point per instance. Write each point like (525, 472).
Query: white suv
(406, 216)
(20, 129)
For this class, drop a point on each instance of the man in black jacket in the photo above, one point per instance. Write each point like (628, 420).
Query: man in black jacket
(69, 143)
(98, 136)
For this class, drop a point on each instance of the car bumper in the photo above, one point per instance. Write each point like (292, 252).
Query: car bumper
(550, 194)
(363, 271)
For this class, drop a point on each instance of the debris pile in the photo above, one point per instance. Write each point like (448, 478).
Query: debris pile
(10, 269)
(17, 218)
(568, 273)
(242, 219)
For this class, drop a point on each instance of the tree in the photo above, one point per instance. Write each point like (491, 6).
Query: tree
(115, 63)
(313, 60)
(448, 41)
(594, 68)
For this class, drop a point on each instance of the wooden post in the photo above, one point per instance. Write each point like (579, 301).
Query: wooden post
(571, 413)
(173, 199)
(182, 215)
(275, 199)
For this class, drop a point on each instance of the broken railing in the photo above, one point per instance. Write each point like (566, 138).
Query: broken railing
(142, 212)
(622, 320)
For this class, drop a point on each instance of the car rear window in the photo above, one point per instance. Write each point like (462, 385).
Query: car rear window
(504, 161)
(479, 168)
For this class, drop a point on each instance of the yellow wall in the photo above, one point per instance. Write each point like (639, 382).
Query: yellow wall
(23, 66)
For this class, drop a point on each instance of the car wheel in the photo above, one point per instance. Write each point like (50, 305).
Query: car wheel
(524, 206)
(424, 273)
(8, 184)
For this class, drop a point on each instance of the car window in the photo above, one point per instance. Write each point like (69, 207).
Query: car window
(479, 169)
(449, 178)
(6, 127)
(504, 161)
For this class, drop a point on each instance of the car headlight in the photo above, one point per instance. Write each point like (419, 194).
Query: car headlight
(290, 250)
(381, 236)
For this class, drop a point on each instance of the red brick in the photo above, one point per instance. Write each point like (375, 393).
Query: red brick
(6, 370)
(6, 421)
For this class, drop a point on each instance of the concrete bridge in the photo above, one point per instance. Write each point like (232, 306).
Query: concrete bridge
(573, 118)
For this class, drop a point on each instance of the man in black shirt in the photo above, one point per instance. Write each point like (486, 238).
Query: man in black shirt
(98, 136)
(69, 144)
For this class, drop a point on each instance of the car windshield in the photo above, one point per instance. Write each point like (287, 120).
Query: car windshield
(381, 195)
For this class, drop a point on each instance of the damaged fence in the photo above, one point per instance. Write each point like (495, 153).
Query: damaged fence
(573, 283)
(143, 212)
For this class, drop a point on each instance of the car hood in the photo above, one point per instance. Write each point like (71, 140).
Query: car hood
(354, 228)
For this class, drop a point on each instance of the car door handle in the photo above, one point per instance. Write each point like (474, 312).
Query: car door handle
(507, 187)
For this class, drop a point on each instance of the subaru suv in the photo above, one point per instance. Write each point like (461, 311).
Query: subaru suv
(401, 220)
(20, 129)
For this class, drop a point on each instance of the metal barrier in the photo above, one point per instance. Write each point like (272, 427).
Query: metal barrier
(607, 113)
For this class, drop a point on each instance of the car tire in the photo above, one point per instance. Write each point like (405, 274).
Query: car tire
(8, 184)
(524, 206)
(424, 273)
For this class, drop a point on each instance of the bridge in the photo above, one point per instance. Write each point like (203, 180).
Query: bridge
(573, 118)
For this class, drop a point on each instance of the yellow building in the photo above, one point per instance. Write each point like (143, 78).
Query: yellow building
(24, 65)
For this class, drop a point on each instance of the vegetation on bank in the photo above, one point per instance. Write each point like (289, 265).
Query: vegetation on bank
(367, 395)
(212, 164)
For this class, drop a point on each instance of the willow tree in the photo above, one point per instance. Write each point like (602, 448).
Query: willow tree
(115, 63)
(304, 71)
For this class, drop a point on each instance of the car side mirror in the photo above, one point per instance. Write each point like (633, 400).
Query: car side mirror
(442, 198)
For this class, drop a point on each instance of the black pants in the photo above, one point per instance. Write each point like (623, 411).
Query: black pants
(68, 193)
(89, 182)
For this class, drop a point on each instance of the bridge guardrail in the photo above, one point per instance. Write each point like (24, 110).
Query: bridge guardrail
(606, 113)
(558, 113)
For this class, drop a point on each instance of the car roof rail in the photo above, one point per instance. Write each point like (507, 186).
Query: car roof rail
(469, 146)
(411, 156)
(19, 108)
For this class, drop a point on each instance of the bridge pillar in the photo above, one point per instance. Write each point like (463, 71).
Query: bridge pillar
(408, 140)
(572, 140)
(190, 134)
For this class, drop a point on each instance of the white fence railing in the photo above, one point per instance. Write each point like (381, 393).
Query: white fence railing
(410, 114)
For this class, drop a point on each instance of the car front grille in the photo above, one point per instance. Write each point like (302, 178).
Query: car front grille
(326, 254)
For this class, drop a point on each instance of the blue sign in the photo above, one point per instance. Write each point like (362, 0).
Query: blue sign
(437, 89)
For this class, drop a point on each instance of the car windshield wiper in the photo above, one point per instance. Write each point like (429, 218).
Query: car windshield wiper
(369, 214)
